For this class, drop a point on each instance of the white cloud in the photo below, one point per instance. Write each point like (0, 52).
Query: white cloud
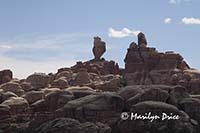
(191, 20)
(125, 32)
(177, 1)
(167, 20)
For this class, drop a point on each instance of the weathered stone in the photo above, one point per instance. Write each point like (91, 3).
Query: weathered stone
(192, 107)
(103, 107)
(17, 104)
(12, 87)
(57, 99)
(142, 42)
(142, 58)
(109, 85)
(154, 94)
(26, 86)
(33, 96)
(60, 83)
(129, 91)
(79, 92)
(99, 48)
(7, 95)
(39, 106)
(153, 125)
(66, 74)
(68, 125)
(38, 80)
(99, 67)
(48, 90)
(194, 86)
(178, 93)
(5, 76)
(82, 77)
(5, 118)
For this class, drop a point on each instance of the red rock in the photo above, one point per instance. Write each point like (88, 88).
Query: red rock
(5, 76)
(99, 48)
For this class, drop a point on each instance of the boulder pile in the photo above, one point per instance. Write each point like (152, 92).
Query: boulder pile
(155, 93)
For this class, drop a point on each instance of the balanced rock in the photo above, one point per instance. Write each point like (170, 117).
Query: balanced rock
(142, 42)
(99, 48)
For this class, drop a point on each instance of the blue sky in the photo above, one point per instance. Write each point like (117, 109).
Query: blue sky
(44, 35)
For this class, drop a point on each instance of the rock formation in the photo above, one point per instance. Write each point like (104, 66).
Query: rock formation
(142, 42)
(92, 96)
(5, 76)
(145, 64)
(99, 48)
(142, 58)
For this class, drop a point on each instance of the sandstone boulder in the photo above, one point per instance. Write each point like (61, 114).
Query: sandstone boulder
(33, 96)
(48, 90)
(5, 76)
(17, 104)
(66, 74)
(7, 95)
(103, 107)
(178, 93)
(60, 83)
(79, 92)
(38, 80)
(154, 94)
(12, 87)
(26, 86)
(57, 99)
(182, 123)
(194, 86)
(192, 107)
(5, 118)
(68, 125)
(111, 85)
(82, 77)
(39, 106)
(130, 91)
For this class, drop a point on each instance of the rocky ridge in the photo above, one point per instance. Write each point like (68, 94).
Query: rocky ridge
(97, 96)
